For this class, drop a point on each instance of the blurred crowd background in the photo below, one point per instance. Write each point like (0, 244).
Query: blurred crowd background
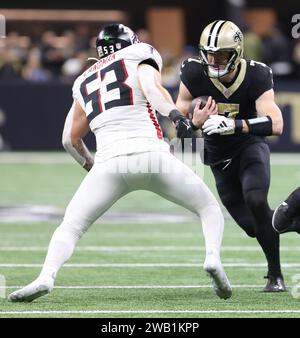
(49, 44)
(42, 50)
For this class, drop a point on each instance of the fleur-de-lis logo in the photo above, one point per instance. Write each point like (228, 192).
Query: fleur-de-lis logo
(237, 36)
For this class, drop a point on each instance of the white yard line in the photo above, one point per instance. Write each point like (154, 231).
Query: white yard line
(94, 287)
(147, 248)
(285, 159)
(25, 157)
(148, 265)
(147, 312)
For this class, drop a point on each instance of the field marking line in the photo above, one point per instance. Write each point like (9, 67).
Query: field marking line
(147, 265)
(146, 312)
(146, 248)
(94, 287)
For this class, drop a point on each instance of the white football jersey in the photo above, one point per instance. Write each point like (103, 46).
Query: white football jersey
(119, 114)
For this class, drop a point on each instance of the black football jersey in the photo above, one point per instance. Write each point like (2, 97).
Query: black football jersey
(235, 101)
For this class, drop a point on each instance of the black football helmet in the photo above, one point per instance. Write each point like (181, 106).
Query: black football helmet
(114, 37)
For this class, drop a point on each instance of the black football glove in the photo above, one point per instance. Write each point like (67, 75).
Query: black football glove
(184, 128)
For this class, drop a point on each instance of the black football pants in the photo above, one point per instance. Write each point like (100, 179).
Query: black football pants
(243, 189)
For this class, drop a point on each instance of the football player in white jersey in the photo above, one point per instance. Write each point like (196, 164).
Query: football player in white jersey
(116, 99)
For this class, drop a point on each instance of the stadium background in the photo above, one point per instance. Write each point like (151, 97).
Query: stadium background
(46, 49)
(145, 258)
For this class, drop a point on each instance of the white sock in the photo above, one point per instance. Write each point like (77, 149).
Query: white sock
(60, 249)
(212, 227)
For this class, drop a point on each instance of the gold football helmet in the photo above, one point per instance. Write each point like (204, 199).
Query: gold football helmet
(221, 36)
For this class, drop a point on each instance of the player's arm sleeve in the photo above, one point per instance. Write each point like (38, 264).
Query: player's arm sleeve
(77, 94)
(150, 62)
(187, 76)
(269, 120)
(150, 56)
(262, 80)
(75, 128)
(156, 94)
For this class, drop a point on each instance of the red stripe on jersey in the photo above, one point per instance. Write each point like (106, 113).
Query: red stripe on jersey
(154, 121)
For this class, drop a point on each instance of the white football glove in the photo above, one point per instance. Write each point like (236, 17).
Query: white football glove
(218, 124)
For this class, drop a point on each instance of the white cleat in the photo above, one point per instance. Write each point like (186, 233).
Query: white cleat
(32, 291)
(221, 284)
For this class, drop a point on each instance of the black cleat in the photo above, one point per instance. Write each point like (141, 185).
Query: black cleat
(274, 284)
(282, 223)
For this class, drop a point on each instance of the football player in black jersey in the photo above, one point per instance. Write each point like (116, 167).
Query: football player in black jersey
(234, 137)
(286, 217)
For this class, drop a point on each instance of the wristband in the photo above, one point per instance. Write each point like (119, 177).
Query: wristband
(261, 126)
(193, 126)
(238, 126)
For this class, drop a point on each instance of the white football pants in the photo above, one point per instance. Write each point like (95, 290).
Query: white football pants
(159, 172)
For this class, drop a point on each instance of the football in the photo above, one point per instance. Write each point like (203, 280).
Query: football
(193, 104)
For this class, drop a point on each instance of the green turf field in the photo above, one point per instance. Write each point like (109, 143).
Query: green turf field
(144, 259)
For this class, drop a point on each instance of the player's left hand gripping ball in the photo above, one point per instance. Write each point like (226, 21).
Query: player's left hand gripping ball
(218, 124)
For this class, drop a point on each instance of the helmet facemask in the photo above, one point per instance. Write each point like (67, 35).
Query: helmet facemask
(215, 71)
(221, 36)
